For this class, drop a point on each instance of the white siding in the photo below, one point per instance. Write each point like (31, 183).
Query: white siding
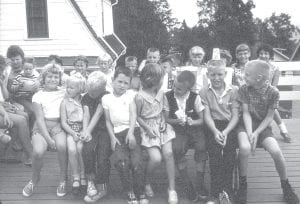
(68, 35)
(108, 18)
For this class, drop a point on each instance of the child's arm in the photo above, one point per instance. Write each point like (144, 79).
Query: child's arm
(276, 76)
(64, 124)
(173, 121)
(130, 139)
(247, 120)
(232, 123)
(198, 106)
(110, 130)
(86, 119)
(14, 86)
(40, 120)
(140, 120)
(211, 125)
(3, 84)
(6, 120)
(265, 123)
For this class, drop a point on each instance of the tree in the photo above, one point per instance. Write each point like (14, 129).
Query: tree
(141, 24)
(277, 31)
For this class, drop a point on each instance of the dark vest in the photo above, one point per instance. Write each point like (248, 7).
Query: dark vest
(190, 105)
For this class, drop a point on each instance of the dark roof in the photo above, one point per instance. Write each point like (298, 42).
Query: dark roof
(112, 47)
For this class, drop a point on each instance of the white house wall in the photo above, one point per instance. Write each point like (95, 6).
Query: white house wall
(68, 35)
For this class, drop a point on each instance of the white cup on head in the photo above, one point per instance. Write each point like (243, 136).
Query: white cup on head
(216, 54)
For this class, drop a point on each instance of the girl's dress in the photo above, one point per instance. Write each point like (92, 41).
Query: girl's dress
(74, 112)
(152, 113)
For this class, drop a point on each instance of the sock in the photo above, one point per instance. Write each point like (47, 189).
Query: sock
(282, 128)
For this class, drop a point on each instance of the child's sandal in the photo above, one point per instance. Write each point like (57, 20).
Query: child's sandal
(75, 186)
(83, 181)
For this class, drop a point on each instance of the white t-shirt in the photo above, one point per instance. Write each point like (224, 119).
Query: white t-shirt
(118, 108)
(50, 102)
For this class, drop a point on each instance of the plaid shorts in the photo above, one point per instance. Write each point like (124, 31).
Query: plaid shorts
(76, 126)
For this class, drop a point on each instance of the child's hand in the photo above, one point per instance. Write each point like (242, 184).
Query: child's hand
(162, 127)
(190, 121)
(113, 142)
(7, 121)
(225, 135)
(130, 140)
(254, 142)
(219, 138)
(151, 133)
(76, 136)
(85, 136)
(52, 144)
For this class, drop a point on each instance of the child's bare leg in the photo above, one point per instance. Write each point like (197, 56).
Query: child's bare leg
(39, 149)
(73, 156)
(271, 145)
(80, 159)
(61, 146)
(154, 160)
(244, 152)
(170, 164)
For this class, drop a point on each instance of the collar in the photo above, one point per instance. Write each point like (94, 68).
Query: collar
(150, 98)
(262, 90)
(184, 97)
(227, 89)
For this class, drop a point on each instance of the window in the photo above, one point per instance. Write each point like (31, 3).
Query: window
(37, 19)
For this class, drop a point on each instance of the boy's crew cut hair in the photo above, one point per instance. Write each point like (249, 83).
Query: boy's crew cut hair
(153, 49)
(211, 64)
(261, 68)
(51, 69)
(186, 77)
(15, 50)
(81, 58)
(167, 59)
(122, 70)
(242, 47)
(104, 58)
(265, 47)
(151, 75)
(57, 59)
(198, 48)
(96, 79)
(130, 58)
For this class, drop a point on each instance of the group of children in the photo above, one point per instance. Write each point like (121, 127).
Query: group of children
(91, 118)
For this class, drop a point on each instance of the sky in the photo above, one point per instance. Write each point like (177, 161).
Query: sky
(187, 9)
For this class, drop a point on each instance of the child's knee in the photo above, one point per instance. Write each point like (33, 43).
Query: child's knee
(38, 152)
(61, 146)
(72, 151)
(168, 154)
(156, 159)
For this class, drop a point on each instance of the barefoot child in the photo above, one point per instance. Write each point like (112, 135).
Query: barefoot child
(186, 117)
(259, 100)
(156, 135)
(48, 130)
(71, 112)
(120, 115)
(221, 117)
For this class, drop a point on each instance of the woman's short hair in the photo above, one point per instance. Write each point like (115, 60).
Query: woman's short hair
(51, 69)
(151, 75)
(122, 70)
(265, 47)
(81, 58)
(14, 50)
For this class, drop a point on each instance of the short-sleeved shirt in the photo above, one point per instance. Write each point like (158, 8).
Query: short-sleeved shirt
(119, 109)
(220, 106)
(25, 92)
(74, 110)
(259, 101)
(92, 104)
(50, 102)
(238, 75)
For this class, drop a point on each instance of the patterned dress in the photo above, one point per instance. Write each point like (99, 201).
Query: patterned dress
(152, 113)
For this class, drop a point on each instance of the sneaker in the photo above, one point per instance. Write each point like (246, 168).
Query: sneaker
(28, 189)
(288, 193)
(213, 200)
(242, 194)
(95, 198)
(224, 198)
(286, 137)
(190, 192)
(148, 191)
(91, 189)
(143, 199)
(173, 198)
(76, 187)
(4, 138)
(28, 162)
(131, 198)
(61, 189)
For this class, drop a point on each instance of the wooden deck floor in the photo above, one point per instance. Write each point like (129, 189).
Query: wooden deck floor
(264, 184)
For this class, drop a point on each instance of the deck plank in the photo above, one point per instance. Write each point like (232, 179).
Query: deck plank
(264, 183)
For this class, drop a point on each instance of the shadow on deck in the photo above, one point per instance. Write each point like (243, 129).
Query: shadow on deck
(264, 184)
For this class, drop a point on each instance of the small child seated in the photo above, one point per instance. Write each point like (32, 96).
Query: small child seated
(71, 113)
(221, 117)
(259, 101)
(186, 117)
(120, 113)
